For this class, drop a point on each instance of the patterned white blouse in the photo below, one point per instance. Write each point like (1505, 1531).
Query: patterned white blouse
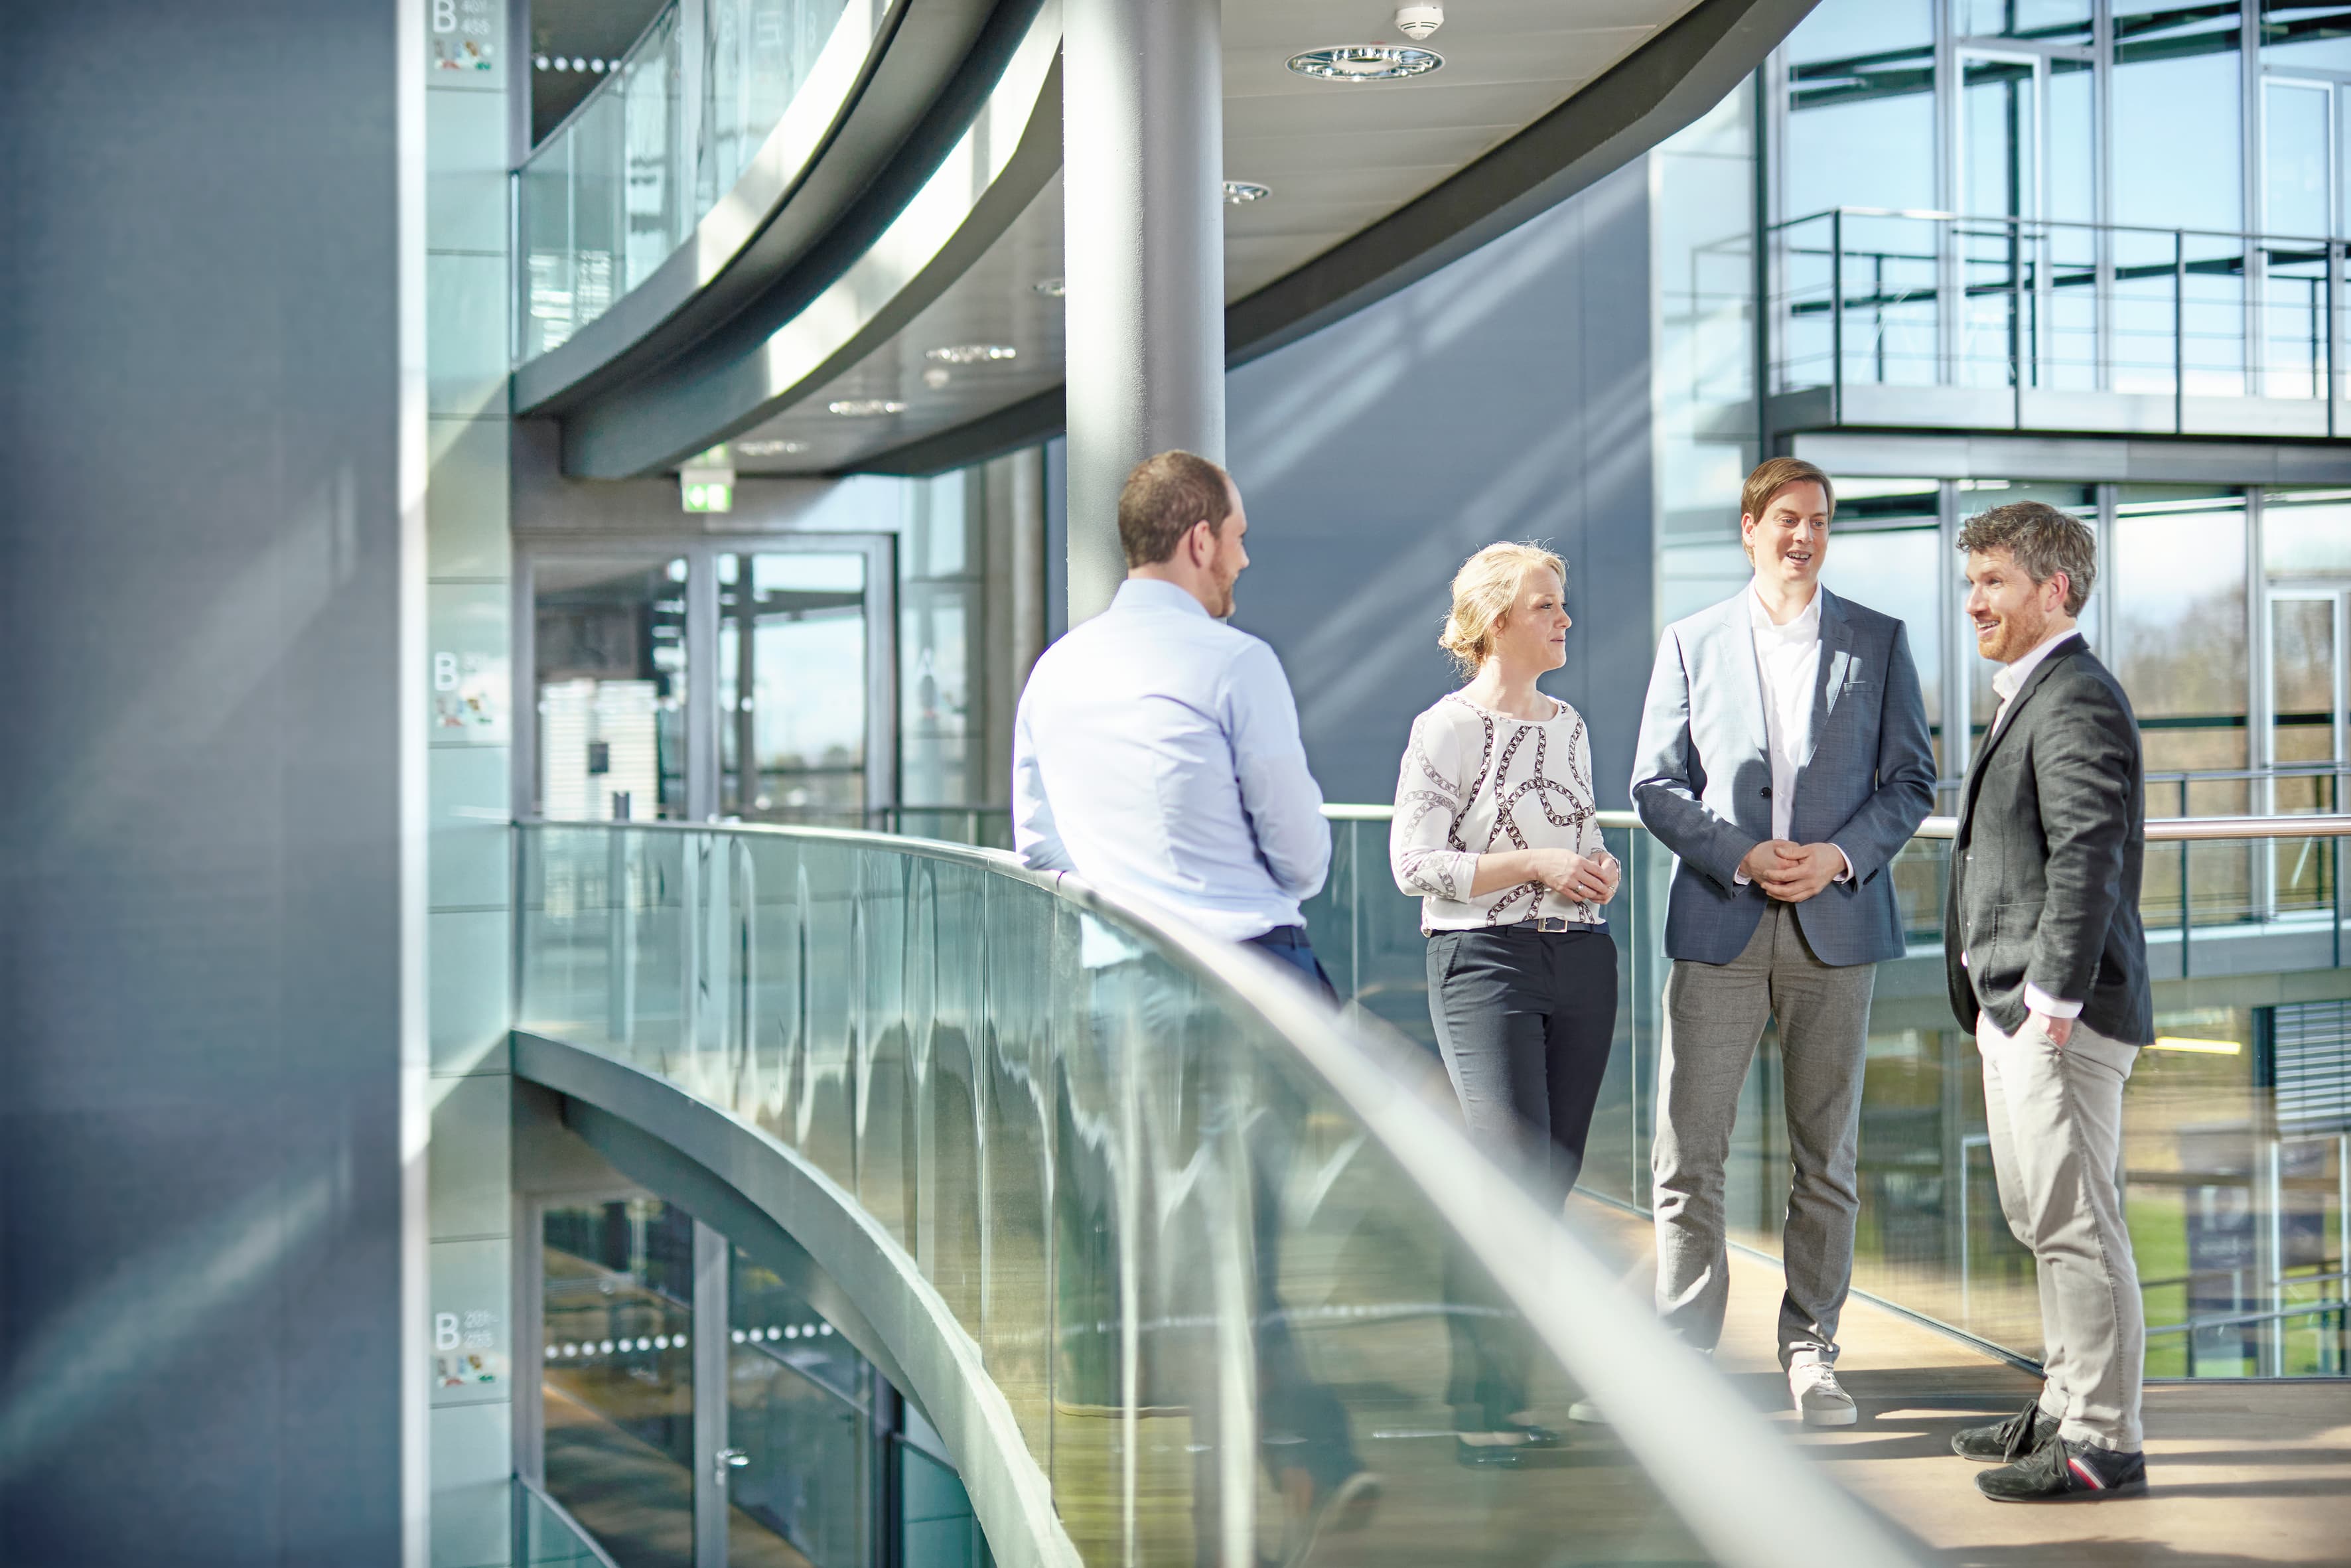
(1476, 781)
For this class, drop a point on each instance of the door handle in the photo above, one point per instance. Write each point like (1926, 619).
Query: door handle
(726, 1459)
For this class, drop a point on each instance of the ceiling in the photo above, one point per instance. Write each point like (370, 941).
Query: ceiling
(1337, 156)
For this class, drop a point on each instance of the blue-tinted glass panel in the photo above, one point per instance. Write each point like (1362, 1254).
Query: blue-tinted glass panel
(2178, 97)
(2043, 21)
(2311, 36)
(1861, 92)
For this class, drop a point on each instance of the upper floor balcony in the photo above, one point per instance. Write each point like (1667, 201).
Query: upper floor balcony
(1931, 320)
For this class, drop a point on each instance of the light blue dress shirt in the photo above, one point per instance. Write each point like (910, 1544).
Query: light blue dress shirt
(1156, 754)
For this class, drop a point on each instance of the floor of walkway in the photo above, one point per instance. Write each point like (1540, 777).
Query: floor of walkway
(2239, 1474)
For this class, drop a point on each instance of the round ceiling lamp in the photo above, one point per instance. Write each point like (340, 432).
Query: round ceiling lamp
(865, 407)
(1366, 62)
(1241, 193)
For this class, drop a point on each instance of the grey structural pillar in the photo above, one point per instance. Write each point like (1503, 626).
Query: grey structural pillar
(1142, 187)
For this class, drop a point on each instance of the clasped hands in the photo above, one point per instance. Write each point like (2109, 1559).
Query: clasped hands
(1792, 872)
(1586, 879)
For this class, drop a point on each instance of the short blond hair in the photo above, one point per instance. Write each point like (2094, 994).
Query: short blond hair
(1483, 591)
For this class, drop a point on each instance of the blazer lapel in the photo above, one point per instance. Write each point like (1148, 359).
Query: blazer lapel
(1829, 676)
(2003, 724)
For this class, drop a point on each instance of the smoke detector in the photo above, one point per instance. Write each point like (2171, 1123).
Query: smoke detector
(1416, 22)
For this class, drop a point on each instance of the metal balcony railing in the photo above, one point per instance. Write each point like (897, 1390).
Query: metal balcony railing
(1910, 317)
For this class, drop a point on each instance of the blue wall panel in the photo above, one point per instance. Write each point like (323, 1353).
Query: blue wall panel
(1504, 397)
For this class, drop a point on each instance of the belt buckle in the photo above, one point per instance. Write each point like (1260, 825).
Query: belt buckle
(1551, 922)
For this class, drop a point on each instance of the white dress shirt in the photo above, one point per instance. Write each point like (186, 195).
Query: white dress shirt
(1156, 754)
(1788, 658)
(2006, 682)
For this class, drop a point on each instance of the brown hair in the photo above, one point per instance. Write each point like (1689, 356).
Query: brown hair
(1483, 591)
(1774, 475)
(2042, 540)
(1163, 496)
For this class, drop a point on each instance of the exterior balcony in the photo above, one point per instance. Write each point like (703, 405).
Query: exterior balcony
(1927, 322)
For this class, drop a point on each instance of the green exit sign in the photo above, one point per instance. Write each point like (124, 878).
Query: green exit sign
(710, 496)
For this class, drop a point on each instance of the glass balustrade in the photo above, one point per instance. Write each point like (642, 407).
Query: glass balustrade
(606, 198)
(1219, 1256)
(1867, 297)
(2237, 1123)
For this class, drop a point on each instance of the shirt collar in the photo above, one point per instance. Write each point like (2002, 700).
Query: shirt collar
(1151, 594)
(1806, 625)
(2009, 679)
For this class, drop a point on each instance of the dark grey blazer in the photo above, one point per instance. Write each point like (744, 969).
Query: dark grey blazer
(1702, 778)
(2045, 870)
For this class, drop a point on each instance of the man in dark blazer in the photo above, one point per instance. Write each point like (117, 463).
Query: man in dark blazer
(2047, 964)
(1784, 759)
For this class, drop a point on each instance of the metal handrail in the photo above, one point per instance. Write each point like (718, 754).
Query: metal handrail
(1691, 1433)
(2159, 829)
(1927, 214)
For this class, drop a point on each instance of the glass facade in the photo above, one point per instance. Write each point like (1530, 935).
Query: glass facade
(2141, 198)
(609, 659)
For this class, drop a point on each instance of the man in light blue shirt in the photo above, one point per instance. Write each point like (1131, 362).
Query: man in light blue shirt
(1156, 752)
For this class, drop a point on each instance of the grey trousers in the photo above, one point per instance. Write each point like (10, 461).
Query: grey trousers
(1715, 1015)
(2056, 1122)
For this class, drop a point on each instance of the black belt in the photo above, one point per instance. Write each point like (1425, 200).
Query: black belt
(1283, 936)
(1554, 923)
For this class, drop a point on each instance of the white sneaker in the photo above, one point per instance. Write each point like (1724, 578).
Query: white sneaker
(1812, 1384)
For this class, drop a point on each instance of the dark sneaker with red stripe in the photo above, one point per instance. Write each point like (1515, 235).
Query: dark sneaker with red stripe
(2005, 1442)
(2060, 1471)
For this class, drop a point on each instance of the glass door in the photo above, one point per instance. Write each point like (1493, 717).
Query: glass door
(2305, 735)
(1998, 183)
(795, 688)
(608, 659)
(2298, 217)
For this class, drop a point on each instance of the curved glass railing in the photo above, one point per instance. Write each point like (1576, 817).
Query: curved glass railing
(547, 1536)
(1220, 1254)
(616, 188)
(2237, 1123)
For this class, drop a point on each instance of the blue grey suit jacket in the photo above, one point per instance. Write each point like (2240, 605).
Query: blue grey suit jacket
(1702, 778)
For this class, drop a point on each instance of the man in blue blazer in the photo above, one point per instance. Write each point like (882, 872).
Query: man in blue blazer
(1784, 759)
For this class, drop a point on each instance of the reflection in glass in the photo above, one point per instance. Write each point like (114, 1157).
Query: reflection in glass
(798, 1410)
(791, 740)
(2296, 33)
(2182, 649)
(2042, 21)
(2178, 92)
(2307, 533)
(1861, 83)
(609, 687)
(1117, 1180)
(618, 1382)
(2306, 703)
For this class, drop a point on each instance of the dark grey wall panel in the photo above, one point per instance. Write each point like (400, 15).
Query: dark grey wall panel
(1504, 397)
(199, 1159)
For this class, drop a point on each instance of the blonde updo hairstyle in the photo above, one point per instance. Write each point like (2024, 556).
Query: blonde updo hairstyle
(1483, 591)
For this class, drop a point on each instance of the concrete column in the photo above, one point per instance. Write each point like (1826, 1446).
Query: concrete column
(1142, 154)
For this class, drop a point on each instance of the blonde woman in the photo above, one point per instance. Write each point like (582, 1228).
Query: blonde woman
(1496, 834)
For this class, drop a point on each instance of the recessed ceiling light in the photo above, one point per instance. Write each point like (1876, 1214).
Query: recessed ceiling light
(972, 353)
(936, 377)
(768, 448)
(1052, 288)
(865, 407)
(1366, 62)
(1241, 193)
